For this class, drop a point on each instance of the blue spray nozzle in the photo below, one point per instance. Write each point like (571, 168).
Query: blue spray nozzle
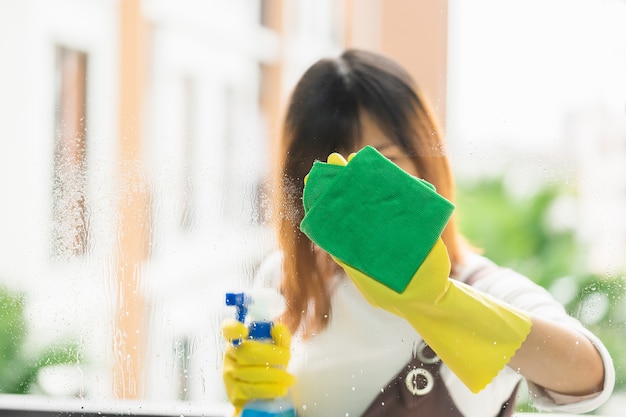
(262, 305)
(238, 300)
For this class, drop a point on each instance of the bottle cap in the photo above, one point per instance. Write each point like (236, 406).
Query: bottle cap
(260, 330)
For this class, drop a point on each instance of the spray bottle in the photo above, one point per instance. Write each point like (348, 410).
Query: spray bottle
(261, 307)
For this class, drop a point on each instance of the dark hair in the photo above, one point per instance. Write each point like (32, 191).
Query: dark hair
(323, 116)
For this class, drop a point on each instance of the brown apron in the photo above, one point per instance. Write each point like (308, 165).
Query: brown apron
(418, 390)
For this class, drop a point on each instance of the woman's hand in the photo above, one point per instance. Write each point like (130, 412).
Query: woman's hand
(254, 369)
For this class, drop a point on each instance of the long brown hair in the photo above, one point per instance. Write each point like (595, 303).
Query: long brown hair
(323, 117)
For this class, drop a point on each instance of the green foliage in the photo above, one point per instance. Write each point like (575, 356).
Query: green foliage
(516, 232)
(512, 231)
(18, 369)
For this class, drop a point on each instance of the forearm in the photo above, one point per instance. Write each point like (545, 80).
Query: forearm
(559, 359)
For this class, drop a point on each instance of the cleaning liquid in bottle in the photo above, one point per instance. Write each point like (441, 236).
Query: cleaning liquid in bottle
(261, 307)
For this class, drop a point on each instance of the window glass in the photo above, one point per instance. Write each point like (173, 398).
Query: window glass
(135, 175)
(70, 214)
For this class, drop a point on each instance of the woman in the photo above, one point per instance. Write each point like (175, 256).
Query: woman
(346, 351)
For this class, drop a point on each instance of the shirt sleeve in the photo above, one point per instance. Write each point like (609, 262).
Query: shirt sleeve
(519, 291)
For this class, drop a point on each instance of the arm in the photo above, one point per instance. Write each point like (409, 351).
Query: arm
(566, 366)
(476, 334)
(555, 357)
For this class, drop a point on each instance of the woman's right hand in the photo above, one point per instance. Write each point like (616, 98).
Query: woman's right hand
(252, 369)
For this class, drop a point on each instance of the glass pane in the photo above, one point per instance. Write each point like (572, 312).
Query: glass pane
(136, 173)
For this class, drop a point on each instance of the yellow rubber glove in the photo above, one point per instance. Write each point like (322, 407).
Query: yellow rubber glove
(255, 370)
(473, 334)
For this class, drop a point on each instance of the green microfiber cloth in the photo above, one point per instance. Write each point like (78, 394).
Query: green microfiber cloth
(373, 216)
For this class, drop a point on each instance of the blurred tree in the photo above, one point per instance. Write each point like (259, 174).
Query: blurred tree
(515, 231)
(19, 368)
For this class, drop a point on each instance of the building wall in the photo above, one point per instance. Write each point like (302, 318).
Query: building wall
(175, 154)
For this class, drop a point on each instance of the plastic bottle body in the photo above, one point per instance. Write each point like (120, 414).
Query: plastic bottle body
(278, 407)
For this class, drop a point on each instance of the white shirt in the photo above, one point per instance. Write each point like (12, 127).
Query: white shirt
(340, 371)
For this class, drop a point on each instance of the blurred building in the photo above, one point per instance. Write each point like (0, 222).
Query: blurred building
(136, 142)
